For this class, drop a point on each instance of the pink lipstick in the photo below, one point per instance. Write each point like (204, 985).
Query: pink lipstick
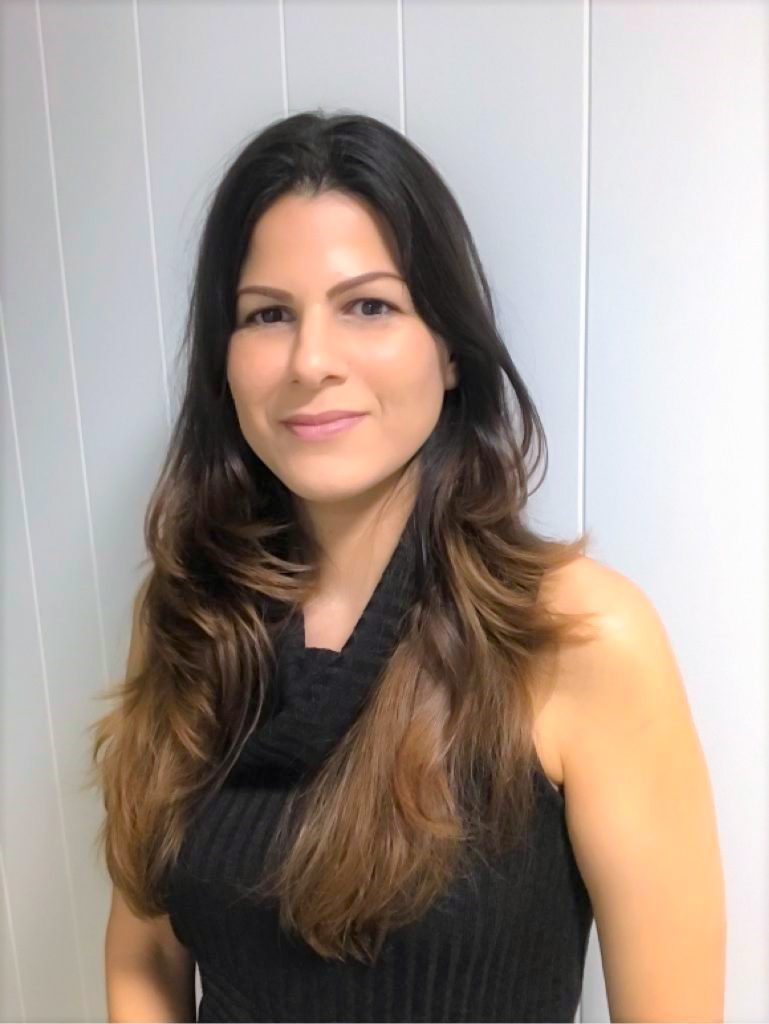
(317, 431)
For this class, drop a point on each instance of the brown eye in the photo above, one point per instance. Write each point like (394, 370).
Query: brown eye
(270, 311)
(259, 312)
(375, 302)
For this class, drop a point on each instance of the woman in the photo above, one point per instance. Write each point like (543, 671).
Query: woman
(368, 763)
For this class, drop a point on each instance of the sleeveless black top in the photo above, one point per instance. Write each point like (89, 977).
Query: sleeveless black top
(506, 943)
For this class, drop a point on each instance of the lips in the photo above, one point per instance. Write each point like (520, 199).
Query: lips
(317, 431)
(322, 417)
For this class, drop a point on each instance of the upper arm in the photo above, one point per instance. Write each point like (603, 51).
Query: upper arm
(132, 939)
(641, 817)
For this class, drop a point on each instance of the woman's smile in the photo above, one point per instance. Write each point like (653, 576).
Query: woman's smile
(318, 431)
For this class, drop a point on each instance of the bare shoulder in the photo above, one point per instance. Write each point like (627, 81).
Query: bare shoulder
(639, 803)
(626, 620)
(578, 678)
(586, 584)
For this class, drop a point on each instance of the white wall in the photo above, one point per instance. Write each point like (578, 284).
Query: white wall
(612, 160)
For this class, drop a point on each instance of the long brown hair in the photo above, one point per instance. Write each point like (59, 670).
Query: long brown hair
(442, 756)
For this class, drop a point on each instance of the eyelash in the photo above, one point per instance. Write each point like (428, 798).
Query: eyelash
(248, 320)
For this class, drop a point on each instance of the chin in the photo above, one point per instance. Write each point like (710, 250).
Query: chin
(324, 494)
(334, 487)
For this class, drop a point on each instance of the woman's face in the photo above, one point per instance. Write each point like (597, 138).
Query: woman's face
(362, 349)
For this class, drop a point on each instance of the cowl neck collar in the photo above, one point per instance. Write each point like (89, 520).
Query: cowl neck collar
(317, 693)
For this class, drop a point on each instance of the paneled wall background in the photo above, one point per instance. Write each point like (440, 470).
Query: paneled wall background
(612, 159)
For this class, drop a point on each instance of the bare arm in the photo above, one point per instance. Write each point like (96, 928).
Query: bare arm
(150, 974)
(642, 819)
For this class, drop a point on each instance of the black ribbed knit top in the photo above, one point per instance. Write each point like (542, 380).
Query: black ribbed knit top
(506, 943)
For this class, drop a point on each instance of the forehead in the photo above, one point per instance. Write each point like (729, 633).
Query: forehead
(330, 232)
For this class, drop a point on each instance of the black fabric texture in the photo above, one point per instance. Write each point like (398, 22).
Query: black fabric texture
(506, 942)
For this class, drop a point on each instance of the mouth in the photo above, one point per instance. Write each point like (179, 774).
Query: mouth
(313, 431)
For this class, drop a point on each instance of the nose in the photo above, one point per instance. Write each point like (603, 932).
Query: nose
(317, 351)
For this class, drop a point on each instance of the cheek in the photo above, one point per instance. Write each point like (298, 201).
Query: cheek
(412, 382)
(250, 378)
(411, 394)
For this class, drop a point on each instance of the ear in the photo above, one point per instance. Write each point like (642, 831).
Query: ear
(452, 374)
(448, 363)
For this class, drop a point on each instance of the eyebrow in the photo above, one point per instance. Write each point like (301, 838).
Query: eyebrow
(340, 286)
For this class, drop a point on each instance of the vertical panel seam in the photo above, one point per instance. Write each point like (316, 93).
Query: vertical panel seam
(283, 55)
(587, 66)
(150, 212)
(89, 518)
(15, 434)
(401, 66)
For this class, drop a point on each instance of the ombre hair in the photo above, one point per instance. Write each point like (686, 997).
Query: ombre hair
(441, 758)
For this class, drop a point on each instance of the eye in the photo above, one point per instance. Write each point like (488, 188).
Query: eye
(376, 302)
(250, 319)
(259, 312)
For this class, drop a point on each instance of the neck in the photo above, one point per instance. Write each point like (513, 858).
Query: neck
(357, 538)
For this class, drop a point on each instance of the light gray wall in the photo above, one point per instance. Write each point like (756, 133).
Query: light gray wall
(612, 161)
